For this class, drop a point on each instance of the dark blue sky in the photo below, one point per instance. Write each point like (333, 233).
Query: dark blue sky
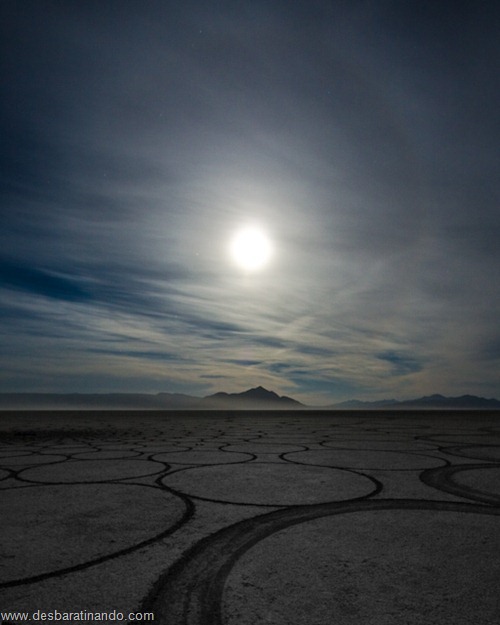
(362, 136)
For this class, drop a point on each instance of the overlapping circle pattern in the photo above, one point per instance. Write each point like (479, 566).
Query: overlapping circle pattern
(320, 534)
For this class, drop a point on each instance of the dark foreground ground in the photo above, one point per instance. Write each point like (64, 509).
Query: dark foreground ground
(285, 518)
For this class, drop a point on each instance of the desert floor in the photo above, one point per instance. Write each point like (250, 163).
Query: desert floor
(282, 518)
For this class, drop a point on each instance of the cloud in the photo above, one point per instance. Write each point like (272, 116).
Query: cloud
(33, 280)
(401, 364)
(361, 138)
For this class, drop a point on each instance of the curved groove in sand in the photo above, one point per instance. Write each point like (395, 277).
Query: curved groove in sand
(442, 479)
(190, 593)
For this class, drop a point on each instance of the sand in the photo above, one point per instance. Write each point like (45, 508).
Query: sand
(286, 518)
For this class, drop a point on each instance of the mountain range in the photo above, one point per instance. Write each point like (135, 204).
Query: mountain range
(432, 402)
(257, 398)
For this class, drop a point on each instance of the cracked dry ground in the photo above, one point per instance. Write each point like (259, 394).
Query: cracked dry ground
(286, 518)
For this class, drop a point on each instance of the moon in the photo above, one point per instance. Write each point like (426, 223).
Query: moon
(251, 248)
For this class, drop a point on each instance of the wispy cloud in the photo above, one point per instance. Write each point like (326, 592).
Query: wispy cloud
(363, 139)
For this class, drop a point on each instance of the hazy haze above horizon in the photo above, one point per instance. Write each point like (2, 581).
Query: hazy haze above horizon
(361, 137)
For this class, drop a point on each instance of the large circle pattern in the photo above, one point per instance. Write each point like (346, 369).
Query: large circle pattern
(485, 480)
(477, 452)
(39, 535)
(364, 460)
(106, 455)
(193, 591)
(479, 482)
(224, 448)
(270, 484)
(257, 447)
(203, 457)
(91, 471)
(31, 460)
(384, 566)
(369, 445)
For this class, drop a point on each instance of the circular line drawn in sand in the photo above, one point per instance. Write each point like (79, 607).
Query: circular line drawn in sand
(105, 455)
(32, 460)
(479, 482)
(263, 448)
(42, 538)
(4, 474)
(157, 449)
(78, 471)
(203, 457)
(371, 567)
(67, 450)
(14, 454)
(476, 452)
(124, 447)
(365, 460)
(218, 579)
(270, 484)
(465, 438)
(367, 445)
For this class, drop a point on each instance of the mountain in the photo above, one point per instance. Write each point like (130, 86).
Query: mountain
(253, 398)
(428, 402)
(98, 401)
(465, 402)
(257, 398)
(358, 404)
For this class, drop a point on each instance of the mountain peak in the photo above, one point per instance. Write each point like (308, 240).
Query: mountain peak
(254, 396)
(259, 392)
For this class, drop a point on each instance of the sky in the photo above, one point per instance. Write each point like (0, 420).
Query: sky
(361, 136)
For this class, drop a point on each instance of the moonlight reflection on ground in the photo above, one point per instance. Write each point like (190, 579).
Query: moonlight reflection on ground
(251, 248)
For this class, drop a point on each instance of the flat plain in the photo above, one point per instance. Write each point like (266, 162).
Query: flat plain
(243, 518)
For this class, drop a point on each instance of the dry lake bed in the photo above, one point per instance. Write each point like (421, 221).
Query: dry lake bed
(249, 518)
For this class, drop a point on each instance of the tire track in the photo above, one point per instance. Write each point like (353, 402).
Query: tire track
(190, 593)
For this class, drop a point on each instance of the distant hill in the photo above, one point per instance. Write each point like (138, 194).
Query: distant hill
(257, 398)
(468, 402)
(429, 402)
(254, 398)
(358, 404)
(98, 401)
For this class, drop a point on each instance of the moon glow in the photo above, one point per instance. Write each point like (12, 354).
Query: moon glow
(251, 249)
